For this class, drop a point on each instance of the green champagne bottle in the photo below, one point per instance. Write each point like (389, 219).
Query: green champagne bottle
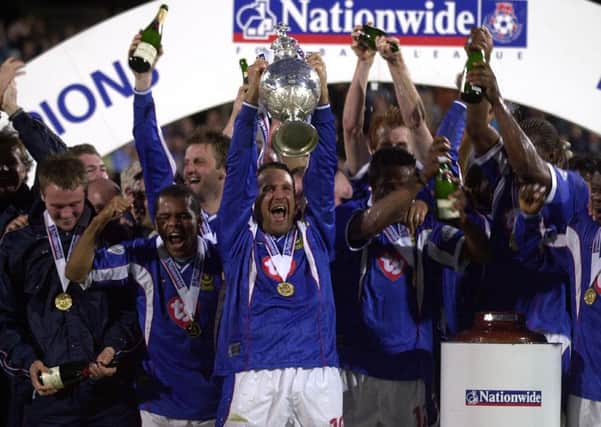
(147, 51)
(244, 69)
(444, 186)
(471, 93)
(367, 38)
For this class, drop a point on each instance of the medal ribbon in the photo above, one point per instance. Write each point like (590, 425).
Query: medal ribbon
(205, 227)
(189, 295)
(596, 263)
(282, 262)
(402, 242)
(56, 246)
(264, 126)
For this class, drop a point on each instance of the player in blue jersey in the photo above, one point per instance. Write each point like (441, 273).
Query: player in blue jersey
(532, 153)
(388, 280)
(176, 308)
(204, 161)
(577, 253)
(276, 341)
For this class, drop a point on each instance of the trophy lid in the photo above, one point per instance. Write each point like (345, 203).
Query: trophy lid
(284, 46)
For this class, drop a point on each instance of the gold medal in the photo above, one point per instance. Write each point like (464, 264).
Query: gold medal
(590, 296)
(193, 330)
(285, 289)
(63, 301)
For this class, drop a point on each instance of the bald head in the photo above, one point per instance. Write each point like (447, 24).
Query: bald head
(101, 191)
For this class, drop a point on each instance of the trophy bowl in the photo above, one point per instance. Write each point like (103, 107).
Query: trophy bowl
(290, 90)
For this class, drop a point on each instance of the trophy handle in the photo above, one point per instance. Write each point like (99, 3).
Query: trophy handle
(295, 139)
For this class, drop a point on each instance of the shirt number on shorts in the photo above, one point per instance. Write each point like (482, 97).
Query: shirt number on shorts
(337, 422)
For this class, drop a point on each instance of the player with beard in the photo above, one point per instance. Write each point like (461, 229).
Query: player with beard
(176, 309)
(277, 333)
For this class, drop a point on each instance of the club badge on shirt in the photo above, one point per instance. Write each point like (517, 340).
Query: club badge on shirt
(391, 264)
(177, 313)
(270, 270)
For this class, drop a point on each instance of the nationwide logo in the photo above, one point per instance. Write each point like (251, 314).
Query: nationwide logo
(503, 398)
(414, 22)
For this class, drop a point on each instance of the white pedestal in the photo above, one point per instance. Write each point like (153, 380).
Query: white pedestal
(500, 385)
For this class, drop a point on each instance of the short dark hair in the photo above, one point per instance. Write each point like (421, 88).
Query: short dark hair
(275, 165)
(218, 141)
(179, 191)
(78, 150)
(10, 143)
(64, 170)
(389, 156)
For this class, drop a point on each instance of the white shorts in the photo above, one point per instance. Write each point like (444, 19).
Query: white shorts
(370, 401)
(154, 420)
(288, 397)
(583, 412)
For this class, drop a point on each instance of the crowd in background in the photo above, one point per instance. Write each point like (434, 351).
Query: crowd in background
(26, 35)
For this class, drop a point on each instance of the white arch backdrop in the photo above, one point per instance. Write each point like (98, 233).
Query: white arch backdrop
(546, 57)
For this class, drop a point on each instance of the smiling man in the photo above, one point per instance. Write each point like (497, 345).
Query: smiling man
(277, 331)
(46, 321)
(176, 307)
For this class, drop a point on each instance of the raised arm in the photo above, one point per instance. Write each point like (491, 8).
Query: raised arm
(521, 153)
(39, 140)
(410, 103)
(532, 253)
(158, 166)
(82, 258)
(477, 240)
(479, 133)
(387, 210)
(355, 141)
(228, 130)
(240, 186)
(318, 182)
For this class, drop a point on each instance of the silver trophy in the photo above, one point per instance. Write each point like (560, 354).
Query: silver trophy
(290, 89)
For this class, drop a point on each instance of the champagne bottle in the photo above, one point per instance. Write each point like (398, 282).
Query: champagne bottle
(469, 92)
(444, 186)
(244, 69)
(367, 37)
(147, 51)
(68, 374)
(445, 183)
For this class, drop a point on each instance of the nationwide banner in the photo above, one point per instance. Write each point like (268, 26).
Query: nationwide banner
(543, 56)
(413, 22)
